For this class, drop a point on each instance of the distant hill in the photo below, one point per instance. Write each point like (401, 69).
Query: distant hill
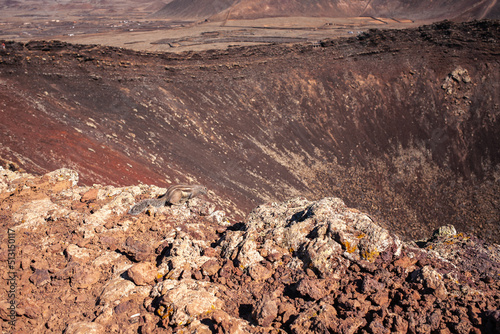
(194, 9)
(252, 9)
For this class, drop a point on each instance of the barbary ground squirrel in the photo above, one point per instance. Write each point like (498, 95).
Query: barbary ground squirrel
(175, 195)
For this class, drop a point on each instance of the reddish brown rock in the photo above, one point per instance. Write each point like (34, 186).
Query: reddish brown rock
(143, 273)
(40, 277)
(227, 269)
(128, 307)
(6, 310)
(210, 252)
(351, 325)
(90, 195)
(32, 310)
(137, 250)
(400, 325)
(432, 280)
(110, 243)
(266, 311)
(286, 310)
(381, 298)
(210, 268)
(312, 288)
(259, 272)
(377, 327)
(404, 262)
(85, 276)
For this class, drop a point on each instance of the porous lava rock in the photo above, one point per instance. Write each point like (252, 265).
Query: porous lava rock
(297, 266)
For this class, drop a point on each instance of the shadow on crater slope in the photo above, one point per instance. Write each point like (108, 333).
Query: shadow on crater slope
(402, 124)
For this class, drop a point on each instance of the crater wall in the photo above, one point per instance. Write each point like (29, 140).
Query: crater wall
(401, 124)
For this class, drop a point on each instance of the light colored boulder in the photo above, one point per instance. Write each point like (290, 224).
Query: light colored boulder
(184, 301)
(325, 236)
(84, 327)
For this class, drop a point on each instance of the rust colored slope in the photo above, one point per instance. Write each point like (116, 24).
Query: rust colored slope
(42, 143)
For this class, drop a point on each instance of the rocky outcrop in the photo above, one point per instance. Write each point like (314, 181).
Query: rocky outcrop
(82, 265)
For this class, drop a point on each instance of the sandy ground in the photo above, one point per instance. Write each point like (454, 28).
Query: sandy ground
(137, 31)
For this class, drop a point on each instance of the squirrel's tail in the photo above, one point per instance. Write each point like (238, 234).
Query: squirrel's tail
(139, 207)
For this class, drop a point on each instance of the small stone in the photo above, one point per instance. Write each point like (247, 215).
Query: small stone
(265, 311)
(287, 310)
(226, 269)
(351, 325)
(445, 231)
(312, 288)
(381, 298)
(187, 299)
(109, 225)
(404, 262)
(81, 298)
(109, 242)
(210, 252)
(84, 327)
(210, 268)
(5, 310)
(273, 257)
(125, 307)
(259, 272)
(142, 273)
(435, 319)
(238, 271)
(198, 275)
(76, 253)
(115, 289)
(432, 279)
(90, 195)
(463, 327)
(370, 285)
(55, 248)
(85, 276)
(31, 311)
(310, 273)
(377, 327)
(39, 263)
(40, 277)
(138, 251)
(400, 325)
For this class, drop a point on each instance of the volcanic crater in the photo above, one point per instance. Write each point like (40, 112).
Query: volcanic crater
(403, 124)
